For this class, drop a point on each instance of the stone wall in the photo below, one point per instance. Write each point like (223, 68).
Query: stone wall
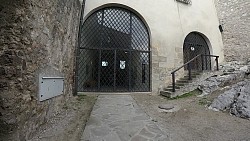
(36, 38)
(234, 16)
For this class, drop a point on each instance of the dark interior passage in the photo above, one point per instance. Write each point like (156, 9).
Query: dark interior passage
(194, 45)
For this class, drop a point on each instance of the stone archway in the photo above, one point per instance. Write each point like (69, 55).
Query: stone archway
(114, 52)
(194, 45)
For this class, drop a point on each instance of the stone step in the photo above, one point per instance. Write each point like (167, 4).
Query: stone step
(171, 86)
(177, 86)
(184, 78)
(166, 94)
(192, 76)
(171, 89)
(180, 84)
(195, 73)
(182, 81)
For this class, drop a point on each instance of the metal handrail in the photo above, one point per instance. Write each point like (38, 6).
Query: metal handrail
(186, 63)
(189, 68)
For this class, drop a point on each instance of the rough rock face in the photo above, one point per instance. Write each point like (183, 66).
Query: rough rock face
(236, 100)
(213, 83)
(234, 17)
(241, 106)
(36, 37)
(236, 66)
(232, 73)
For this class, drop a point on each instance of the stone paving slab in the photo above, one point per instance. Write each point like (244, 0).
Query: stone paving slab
(119, 118)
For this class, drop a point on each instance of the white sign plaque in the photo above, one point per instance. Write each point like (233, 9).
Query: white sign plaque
(50, 87)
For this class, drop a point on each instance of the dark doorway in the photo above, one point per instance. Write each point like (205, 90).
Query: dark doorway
(114, 53)
(194, 45)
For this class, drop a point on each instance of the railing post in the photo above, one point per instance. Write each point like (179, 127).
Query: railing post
(202, 62)
(189, 72)
(173, 81)
(197, 63)
(217, 62)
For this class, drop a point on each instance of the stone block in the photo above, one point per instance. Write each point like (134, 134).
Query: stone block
(162, 59)
(155, 65)
(3, 85)
(178, 49)
(6, 59)
(163, 64)
(166, 106)
(155, 51)
(171, 64)
(155, 59)
(2, 71)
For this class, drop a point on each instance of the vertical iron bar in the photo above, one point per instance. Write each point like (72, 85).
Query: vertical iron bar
(202, 62)
(99, 69)
(130, 53)
(115, 70)
(130, 24)
(76, 72)
(197, 64)
(189, 72)
(149, 71)
(206, 60)
(217, 62)
(129, 71)
(77, 51)
(173, 81)
(100, 55)
(77, 62)
(143, 72)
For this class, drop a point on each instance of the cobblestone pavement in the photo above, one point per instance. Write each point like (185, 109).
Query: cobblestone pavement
(118, 118)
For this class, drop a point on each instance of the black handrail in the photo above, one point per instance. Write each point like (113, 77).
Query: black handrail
(186, 63)
(189, 67)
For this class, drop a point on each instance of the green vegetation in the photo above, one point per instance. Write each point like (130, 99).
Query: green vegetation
(189, 94)
(81, 97)
(79, 100)
(204, 101)
(65, 106)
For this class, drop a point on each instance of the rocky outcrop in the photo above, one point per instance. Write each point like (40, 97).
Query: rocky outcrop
(236, 96)
(236, 67)
(236, 100)
(215, 82)
(232, 72)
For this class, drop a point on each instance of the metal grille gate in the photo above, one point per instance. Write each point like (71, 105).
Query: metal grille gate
(114, 53)
(194, 45)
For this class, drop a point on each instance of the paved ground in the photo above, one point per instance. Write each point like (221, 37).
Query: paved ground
(118, 118)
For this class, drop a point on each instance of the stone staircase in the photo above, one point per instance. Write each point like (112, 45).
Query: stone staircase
(179, 85)
(184, 84)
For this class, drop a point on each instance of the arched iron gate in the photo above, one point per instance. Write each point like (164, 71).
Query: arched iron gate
(114, 52)
(194, 45)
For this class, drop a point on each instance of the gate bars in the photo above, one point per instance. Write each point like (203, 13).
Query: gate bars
(75, 90)
(114, 53)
